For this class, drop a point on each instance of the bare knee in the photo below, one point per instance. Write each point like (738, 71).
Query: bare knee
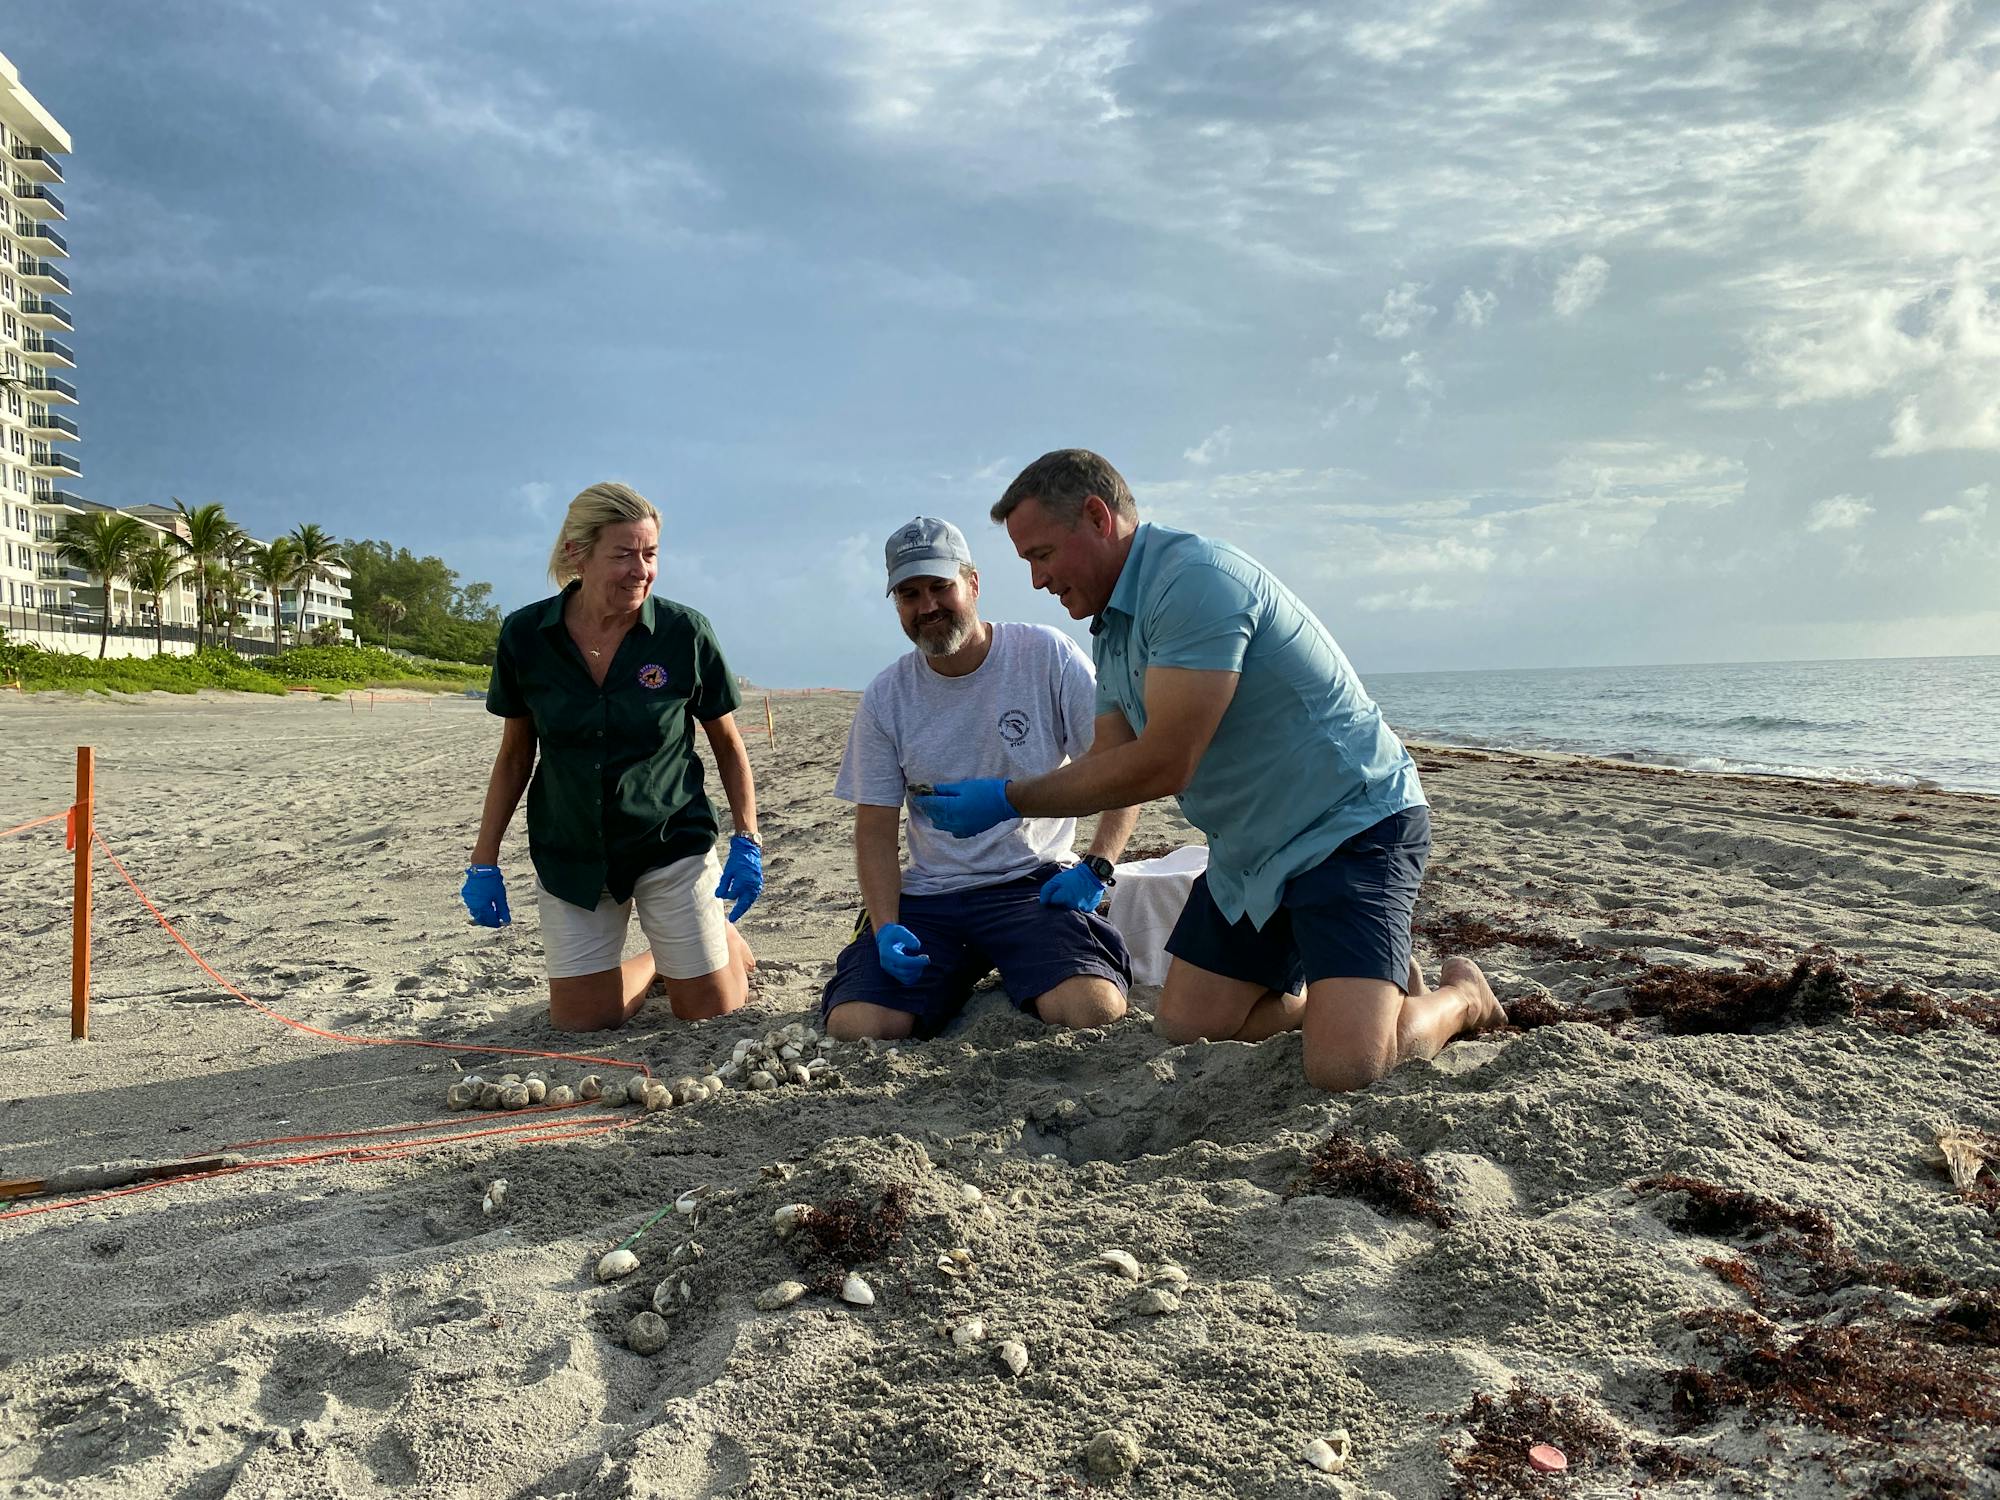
(709, 996)
(1082, 1001)
(1174, 1024)
(1343, 1075)
(588, 1002)
(858, 1021)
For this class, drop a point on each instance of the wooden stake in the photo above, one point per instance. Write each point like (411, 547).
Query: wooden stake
(82, 822)
(770, 728)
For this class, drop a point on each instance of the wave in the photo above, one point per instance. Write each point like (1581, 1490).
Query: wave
(1724, 765)
(1741, 723)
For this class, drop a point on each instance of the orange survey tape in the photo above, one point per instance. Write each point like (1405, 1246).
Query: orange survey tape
(55, 817)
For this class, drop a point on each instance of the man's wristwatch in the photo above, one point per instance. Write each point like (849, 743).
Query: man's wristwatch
(1101, 867)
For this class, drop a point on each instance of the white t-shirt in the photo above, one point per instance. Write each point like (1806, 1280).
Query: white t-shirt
(1029, 708)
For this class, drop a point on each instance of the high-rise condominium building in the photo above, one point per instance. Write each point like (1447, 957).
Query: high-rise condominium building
(39, 467)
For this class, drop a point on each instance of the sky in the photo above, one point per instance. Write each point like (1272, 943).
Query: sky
(1571, 332)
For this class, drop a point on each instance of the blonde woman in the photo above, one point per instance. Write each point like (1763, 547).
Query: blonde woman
(606, 684)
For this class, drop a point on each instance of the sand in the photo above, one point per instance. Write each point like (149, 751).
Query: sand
(362, 1328)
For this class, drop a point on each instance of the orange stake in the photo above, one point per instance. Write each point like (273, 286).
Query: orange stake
(79, 959)
(770, 728)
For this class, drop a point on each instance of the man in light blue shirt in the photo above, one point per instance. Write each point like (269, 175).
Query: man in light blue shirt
(1216, 685)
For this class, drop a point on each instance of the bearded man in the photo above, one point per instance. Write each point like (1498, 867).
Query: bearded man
(972, 699)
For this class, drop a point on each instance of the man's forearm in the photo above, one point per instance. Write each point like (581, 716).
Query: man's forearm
(1121, 777)
(880, 873)
(1114, 827)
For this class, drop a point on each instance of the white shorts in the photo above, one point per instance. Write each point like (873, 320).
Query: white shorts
(678, 911)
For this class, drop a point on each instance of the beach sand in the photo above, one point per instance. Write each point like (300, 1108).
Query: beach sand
(361, 1327)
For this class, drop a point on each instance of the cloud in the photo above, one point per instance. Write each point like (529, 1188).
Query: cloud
(1403, 313)
(1411, 600)
(1969, 511)
(1210, 448)
(1474, 309)
(1418, 378)
(1580, 286)
(1840, 513)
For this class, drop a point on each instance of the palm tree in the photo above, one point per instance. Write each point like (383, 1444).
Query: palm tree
(275, 567)
(390, 611)
(101, 543)
(209, 533)
(232, 567)
(316, 553)
(155, 567)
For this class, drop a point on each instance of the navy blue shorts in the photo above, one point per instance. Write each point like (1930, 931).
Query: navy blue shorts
(1348, 917)
(969, 934)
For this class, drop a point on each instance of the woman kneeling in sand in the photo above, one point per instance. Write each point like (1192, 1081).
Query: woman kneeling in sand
(608, 683)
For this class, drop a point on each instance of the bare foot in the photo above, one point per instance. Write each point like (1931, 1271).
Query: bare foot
(1483, 1011)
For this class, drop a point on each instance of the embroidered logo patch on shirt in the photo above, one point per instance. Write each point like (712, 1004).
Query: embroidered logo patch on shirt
(652, 675)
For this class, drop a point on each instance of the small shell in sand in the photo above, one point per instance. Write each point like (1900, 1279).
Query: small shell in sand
(646, 1333)
(688, 1202)
(514, 1096)
(1120, 1261)
(857, 1291)
(496, 1194)
(789, 1217)
(590, 1087)
(968, 1194)
(1964, 1156)
(957, 1262)
(1155, 1300)
(1170, 1276)
(1014, 1355)
(968, 1331)
(562, 1093)
(784, 1294)
(1330, 1456)
(617, 1263)
(665, 1298)
(458, 1096)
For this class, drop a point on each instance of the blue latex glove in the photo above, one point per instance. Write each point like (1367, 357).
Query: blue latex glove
(902, 954)
(963, 808)
(1074, 889)
(742, 876)
(485, 895)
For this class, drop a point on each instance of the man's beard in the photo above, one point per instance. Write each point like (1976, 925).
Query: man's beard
(943, 637)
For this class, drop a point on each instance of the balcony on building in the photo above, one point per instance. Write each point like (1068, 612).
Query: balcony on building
(35, 163)
(40, 237)
(38, 201)
(50, 571)
(46, 425)
(46, 387)
(39, 312)
(52, 461)
(41, 275)
(66, 501)
(40, 349)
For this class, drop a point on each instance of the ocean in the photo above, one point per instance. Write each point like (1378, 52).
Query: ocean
(1914, 722)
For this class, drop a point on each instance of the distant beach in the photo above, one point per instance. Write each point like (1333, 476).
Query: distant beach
(1636, 1229)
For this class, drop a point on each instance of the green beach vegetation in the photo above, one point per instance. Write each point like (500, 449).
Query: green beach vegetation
(330, 670)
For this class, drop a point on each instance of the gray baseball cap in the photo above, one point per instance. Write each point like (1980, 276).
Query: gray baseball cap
(925, 547)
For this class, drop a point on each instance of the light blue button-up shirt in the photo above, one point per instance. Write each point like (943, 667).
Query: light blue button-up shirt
(1301, 761)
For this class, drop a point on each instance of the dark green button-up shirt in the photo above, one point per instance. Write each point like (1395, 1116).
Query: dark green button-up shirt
(618, 784)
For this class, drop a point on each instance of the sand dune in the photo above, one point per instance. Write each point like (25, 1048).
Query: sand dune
(363, 1328)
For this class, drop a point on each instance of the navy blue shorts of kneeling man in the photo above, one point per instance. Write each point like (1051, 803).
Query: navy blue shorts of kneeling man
(970, 933)
(1348, 917)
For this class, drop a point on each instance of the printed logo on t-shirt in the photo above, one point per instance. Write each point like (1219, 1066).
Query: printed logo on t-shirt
(653, 676)
(1013, 726)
